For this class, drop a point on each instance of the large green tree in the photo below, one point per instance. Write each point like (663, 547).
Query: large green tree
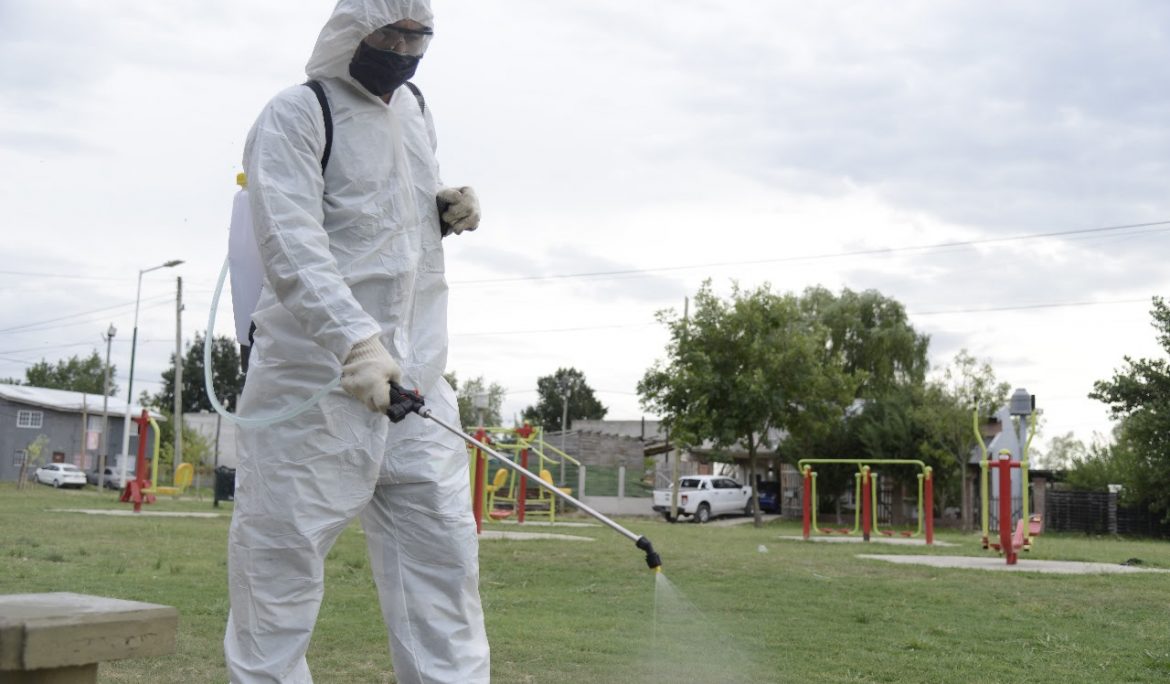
(871, 338)
(76, 374)
(1138, 395)
(743, 370)
(549, 407)
(466, 394)
(226, 377)
(872, 342)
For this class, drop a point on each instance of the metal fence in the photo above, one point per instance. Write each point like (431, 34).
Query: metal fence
(1099, 513)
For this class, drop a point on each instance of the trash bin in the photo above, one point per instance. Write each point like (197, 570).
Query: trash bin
(225, 485)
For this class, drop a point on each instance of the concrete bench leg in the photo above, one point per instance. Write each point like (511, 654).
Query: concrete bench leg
(79, 674)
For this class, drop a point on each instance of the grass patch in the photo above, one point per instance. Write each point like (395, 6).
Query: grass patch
(565, 611)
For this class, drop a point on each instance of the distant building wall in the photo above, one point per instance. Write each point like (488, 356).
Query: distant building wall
(219, 433)
(21, 424)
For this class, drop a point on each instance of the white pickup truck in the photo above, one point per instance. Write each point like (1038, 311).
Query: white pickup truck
(705, 496)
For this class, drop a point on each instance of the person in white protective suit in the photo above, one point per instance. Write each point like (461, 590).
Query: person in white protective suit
(354, 286)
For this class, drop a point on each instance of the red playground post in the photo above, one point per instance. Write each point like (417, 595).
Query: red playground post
(480, 476)
(1006, 542)
(134, 488)
(522, 496)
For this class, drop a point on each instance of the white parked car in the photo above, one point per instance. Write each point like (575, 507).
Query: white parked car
(704, 497)
(112, 479)
(60, 475)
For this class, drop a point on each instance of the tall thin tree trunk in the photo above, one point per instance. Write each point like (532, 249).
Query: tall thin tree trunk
(758, 519)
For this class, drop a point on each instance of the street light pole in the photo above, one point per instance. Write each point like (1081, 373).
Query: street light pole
(105, 450)
(178, 416)
(133, 350)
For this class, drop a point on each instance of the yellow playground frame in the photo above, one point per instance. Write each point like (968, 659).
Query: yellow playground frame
(505, 483)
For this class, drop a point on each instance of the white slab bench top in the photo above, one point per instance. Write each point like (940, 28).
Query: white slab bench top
(62, 629)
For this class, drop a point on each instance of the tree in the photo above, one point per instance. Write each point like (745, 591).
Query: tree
(742, 370)
(1139, 396)
(32, 458)
(466, 394)
(872, 342)
(549, 406)
(870, 336)
(226, 378)
(1064, 452)
(75, 374)
(947, 414)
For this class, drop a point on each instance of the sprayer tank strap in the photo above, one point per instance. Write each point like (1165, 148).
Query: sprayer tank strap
(327, 114)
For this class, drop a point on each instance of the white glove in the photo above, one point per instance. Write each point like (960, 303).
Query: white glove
(459, 209)
(367, 373)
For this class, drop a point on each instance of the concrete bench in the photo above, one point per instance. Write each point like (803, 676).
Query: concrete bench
(60, 638)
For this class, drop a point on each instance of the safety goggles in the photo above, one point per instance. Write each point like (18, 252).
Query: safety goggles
(410, 42)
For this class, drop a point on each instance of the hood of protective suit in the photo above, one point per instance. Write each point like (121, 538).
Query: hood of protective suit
(353, 20)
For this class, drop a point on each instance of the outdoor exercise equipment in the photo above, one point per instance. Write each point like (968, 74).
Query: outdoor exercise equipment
(1016, 435)
(866, 494)
(136, 490)
(404, 402)
(505, 487)
(183, 476)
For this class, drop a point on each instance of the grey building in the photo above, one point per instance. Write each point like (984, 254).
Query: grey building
(68, 426)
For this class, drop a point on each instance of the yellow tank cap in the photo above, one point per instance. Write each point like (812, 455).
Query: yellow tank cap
(242, 179)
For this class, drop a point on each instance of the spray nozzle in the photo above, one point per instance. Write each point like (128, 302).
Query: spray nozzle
(653, 560)
(402, 402)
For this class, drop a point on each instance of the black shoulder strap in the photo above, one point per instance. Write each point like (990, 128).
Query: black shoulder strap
(422, 103)
(319, 91)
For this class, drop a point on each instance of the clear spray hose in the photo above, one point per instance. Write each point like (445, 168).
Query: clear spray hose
(219, 408)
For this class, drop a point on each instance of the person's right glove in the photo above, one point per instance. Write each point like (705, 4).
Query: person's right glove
(367, 372)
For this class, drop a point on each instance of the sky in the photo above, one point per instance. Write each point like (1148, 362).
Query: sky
(1000, 168)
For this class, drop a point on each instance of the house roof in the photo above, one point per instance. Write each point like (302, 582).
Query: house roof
(67, 401)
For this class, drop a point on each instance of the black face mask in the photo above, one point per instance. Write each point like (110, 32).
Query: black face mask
(381, 71)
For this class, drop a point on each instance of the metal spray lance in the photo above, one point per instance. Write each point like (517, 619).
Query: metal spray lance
(404, 402)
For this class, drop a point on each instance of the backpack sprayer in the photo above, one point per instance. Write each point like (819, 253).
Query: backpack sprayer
(404, 402)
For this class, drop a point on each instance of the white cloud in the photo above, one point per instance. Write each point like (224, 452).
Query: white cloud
(678, 140)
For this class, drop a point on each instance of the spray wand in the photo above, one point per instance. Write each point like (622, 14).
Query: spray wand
(404, 402)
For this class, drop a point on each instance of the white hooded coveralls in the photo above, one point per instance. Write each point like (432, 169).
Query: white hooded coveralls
(348, 256)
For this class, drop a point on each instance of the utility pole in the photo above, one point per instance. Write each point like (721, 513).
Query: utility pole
(105, 445)
(178, 417)
(673, 454)
(566, 392)
(84, 428)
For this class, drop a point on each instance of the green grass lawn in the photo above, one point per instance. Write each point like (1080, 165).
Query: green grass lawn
(562, 611)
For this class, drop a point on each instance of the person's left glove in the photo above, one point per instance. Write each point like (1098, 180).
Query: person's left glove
(458, 209)
(367, 373)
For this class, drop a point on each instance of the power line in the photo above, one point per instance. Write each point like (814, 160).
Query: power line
(71, 276)
(47, 347)
(820, 257)
(33, 327)
(941, 312)
(1024, 307)
(552, 330)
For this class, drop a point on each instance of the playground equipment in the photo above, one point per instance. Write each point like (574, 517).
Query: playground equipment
(136, 490)
(866, 494)
(139, 491)
(509, 488)
(183, 476)
(1021, 408)
(404, 402)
